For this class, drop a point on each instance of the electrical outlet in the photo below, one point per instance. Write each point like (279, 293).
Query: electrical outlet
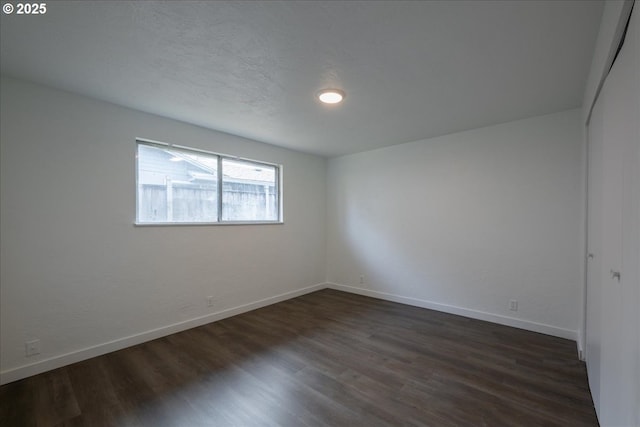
(362, 279)
(209, 301)
(32, 347)
(513, 305)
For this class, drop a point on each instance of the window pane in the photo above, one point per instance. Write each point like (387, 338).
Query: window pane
(176, 185)
(249, 191)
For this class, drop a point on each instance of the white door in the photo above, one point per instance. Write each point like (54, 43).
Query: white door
(611, 244)
(594, 250)
(613, 352)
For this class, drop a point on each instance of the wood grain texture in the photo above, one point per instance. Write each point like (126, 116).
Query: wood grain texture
(324, 359)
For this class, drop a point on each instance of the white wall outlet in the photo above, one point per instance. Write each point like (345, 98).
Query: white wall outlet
(513, 305)
(32, 347)
(362, 279)
(209, 301)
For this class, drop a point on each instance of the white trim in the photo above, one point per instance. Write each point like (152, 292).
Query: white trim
(198, 224)
(55, 362)
(582, 355)
(460, 311)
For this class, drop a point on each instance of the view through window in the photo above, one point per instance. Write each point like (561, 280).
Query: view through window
(178, 185)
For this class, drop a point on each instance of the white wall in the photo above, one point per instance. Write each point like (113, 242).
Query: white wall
(466, 222)
(78, 275)
(461, 223)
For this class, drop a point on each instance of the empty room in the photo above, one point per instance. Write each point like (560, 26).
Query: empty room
(320, 213)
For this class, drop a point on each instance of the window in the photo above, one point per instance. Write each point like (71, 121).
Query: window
(179, 185)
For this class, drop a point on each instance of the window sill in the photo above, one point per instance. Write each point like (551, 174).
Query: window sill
(191, 224)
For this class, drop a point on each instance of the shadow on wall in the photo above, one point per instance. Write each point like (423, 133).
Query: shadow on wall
(386, 264)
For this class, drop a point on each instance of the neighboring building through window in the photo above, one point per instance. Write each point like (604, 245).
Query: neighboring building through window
(179, 185)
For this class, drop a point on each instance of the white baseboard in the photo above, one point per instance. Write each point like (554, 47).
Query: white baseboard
(466, 312)
(25, 371)
(55, 362)
(581, 351)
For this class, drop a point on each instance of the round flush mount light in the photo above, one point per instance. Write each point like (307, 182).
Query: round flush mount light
(331, 96)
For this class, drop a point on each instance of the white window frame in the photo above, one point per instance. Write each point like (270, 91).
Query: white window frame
(220, 158)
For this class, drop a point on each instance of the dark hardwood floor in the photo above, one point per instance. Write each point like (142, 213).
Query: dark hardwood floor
(323, 359)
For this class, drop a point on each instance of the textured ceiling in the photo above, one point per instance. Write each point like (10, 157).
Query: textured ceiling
(411, 70)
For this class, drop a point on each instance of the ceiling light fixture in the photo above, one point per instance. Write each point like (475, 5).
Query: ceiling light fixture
(331, 96)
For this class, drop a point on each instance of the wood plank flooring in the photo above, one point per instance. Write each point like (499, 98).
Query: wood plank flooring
(324, 359)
